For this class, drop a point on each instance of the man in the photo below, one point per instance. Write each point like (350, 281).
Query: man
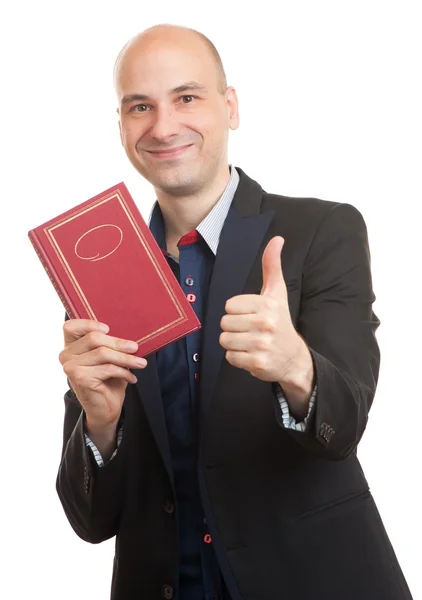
(225, 464)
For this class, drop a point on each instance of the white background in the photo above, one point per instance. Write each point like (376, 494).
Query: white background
(330, 105)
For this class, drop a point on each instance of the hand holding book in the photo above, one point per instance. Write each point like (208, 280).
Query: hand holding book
(107, 268)
(97, 367)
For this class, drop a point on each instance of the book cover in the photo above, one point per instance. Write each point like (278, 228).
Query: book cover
(105, 265)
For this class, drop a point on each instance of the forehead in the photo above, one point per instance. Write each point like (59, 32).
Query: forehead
(160, 66)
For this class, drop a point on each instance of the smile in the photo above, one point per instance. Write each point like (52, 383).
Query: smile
(171, 153)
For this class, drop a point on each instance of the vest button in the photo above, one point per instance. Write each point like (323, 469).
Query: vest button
(169, 508)
(167, 592)
(196, 357)
(191, 298)
(189, 281)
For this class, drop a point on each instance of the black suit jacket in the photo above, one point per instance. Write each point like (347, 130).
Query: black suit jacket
(290, 513)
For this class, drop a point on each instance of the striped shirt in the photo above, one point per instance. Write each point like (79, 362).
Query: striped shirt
(210, 229)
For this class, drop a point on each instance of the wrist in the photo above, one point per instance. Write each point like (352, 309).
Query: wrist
(299, 371)
(98, 429)
(103, 436)
(99, 425)
(298, 381)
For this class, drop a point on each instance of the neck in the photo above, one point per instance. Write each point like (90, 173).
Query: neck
(182, 214)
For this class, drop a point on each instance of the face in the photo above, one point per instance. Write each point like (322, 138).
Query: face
(174, 122)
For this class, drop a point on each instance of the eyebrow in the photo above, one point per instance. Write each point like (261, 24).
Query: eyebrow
(190, 86)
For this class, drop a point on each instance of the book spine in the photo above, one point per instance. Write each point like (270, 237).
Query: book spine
(52, 274)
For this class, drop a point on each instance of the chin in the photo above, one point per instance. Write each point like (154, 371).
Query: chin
(175, 182)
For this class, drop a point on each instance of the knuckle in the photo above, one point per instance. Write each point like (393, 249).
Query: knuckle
(266, 323)
(258, 363)
(270, 326)
(100, 353)
(94, 338)
(62, 356)
(109, 369)
(262, 342)
(261, 321)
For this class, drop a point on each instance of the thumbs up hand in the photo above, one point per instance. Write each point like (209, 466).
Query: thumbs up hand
(259, 336)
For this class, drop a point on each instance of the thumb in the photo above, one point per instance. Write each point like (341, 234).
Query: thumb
(272, 273)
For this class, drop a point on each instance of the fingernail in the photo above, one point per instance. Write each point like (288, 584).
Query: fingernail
(104, 327)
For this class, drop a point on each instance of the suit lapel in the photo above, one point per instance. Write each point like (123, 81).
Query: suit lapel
(148, 387)
(241, 237)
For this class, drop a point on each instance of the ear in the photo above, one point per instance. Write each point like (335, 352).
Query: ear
(233, 108)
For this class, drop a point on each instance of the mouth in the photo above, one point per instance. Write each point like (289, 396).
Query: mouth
(170, 153)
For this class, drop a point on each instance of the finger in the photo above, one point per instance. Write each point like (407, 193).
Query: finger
(104, 355)
(74, 329)
(254, 363)
(95, 339)
(242, 342)
(236, 323)
(272, 274)
(244, 304)
(89, 377)
(241, 360)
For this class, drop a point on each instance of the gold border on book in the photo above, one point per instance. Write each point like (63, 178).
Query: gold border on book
(116, 194)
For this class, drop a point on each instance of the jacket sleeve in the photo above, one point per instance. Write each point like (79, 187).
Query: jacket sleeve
(338, 324)
(91, 496)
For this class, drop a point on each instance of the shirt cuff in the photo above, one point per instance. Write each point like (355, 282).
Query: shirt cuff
(96, 452)
(288, 421)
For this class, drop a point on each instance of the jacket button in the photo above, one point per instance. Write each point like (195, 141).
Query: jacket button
(169, 508)
(326, 432)
(167, 592)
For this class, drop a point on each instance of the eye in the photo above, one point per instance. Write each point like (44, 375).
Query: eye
(141, 107)
(187, 99)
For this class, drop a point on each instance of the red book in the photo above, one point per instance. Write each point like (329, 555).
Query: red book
(106, 265)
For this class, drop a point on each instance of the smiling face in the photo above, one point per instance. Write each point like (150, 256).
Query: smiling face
(174, 116)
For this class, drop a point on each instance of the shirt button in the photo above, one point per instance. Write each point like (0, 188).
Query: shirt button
(196, 376)
(167, 592)
(196, 357)
(189, 281)
(207, 538)
(169, 508)
(191, 298)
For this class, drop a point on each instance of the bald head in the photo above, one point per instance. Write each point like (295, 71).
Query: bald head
(168, 35)
(175, 109)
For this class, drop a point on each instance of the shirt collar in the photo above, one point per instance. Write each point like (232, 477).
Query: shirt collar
(210, 228)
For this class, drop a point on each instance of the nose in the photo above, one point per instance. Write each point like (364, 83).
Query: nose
(165, 125)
